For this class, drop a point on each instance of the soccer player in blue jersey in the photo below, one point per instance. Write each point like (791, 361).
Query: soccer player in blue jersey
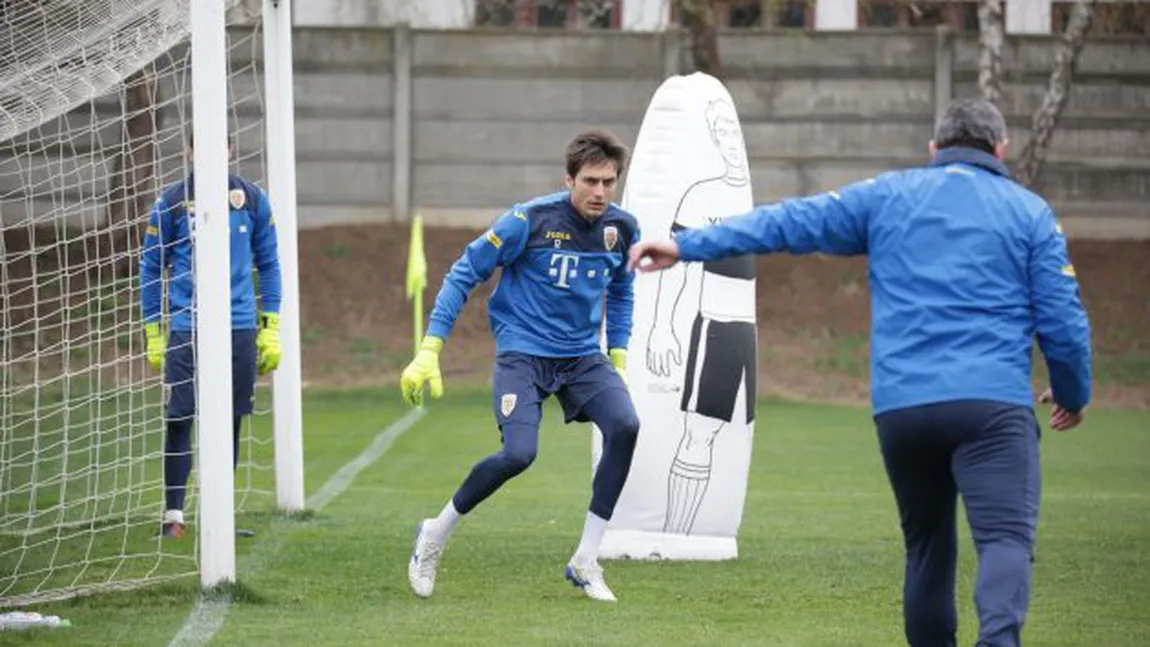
(966, 268)
(563, 258)
(168, 256)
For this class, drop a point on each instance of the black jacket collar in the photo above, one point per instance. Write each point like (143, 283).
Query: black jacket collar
(970, 156)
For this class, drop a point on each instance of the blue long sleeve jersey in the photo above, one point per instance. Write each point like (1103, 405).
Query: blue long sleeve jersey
(965, 267)
(168, 247)
(558, 270)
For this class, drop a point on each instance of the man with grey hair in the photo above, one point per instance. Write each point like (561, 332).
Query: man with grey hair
(972, 123)
(965, 267)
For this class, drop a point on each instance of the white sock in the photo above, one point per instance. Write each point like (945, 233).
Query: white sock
(593, 530)
(174, 516)
(442, 526)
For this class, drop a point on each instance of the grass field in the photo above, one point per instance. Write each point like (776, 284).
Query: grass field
(820, 560)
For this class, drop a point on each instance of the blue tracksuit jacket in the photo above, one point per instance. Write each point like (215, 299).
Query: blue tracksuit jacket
(558, 270)
(966, 266)
(168, 246)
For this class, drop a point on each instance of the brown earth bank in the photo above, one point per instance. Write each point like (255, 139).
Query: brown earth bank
(813, 315)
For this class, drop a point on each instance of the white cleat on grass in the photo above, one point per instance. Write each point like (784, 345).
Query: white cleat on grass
(589, 577)
(424, 560)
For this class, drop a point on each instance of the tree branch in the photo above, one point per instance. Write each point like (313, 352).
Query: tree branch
(990, 38)
(702, 19)
(1057, 92)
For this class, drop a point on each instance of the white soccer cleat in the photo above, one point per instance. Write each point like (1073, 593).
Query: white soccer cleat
(424, 560)
(589, 577)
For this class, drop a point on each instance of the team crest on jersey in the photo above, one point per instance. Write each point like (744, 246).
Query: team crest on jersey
(610, 237)
(507, 403)
(237, 198)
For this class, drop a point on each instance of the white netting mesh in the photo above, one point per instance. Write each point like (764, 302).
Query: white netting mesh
(58, 54)
(95, 101)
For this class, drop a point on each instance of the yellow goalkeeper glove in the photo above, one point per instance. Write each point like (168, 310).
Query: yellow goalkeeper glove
(157, 345)
(268, 343)
(619, 361)
(424, 369)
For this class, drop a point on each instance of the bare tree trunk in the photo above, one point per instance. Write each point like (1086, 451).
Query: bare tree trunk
(130, 193)
(702, 19)
(595, 12)
(990, 39)
(1057, 92)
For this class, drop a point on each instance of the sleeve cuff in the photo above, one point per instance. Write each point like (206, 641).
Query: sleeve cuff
(619, 341)
(438, 329)
(687, 250)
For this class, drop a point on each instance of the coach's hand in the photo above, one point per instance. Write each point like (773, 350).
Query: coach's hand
(424, 369)
(268, 343)
(1060, 418)
(661, 254)
(156, 346)
(619, 361)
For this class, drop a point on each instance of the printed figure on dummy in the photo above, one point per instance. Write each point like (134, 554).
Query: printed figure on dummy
(722, 348)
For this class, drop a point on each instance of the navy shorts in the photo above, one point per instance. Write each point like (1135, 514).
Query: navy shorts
(522, 382)
(180, 372)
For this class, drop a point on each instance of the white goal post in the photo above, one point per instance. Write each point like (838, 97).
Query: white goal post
(97, 100)
(288, 379)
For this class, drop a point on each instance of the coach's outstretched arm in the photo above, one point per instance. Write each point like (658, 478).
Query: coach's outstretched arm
(835, 222)
(1061, 323)
(500, 245)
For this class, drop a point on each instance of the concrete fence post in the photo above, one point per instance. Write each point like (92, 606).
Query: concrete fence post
(402, 124)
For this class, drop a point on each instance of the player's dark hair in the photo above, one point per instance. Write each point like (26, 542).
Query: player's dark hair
(594, 147)
(190, 137)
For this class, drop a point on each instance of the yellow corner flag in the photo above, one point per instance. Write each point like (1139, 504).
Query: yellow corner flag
(416, 261)
(417, 275)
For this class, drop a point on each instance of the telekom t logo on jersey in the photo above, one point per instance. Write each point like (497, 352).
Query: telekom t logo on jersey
(568, 268)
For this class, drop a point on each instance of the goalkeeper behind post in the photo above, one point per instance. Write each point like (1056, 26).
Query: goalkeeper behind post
(563, 256)
(168, 249)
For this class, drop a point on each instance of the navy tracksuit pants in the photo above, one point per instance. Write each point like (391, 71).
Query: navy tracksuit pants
(589, 390)
(987, 452)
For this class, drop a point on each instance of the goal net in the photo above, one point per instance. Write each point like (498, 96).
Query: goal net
(95, 109)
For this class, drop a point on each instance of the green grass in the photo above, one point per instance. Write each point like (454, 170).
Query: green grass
(337, 250)
(846, 354)
(820, 561)
(81, 489)
(1126, 370)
